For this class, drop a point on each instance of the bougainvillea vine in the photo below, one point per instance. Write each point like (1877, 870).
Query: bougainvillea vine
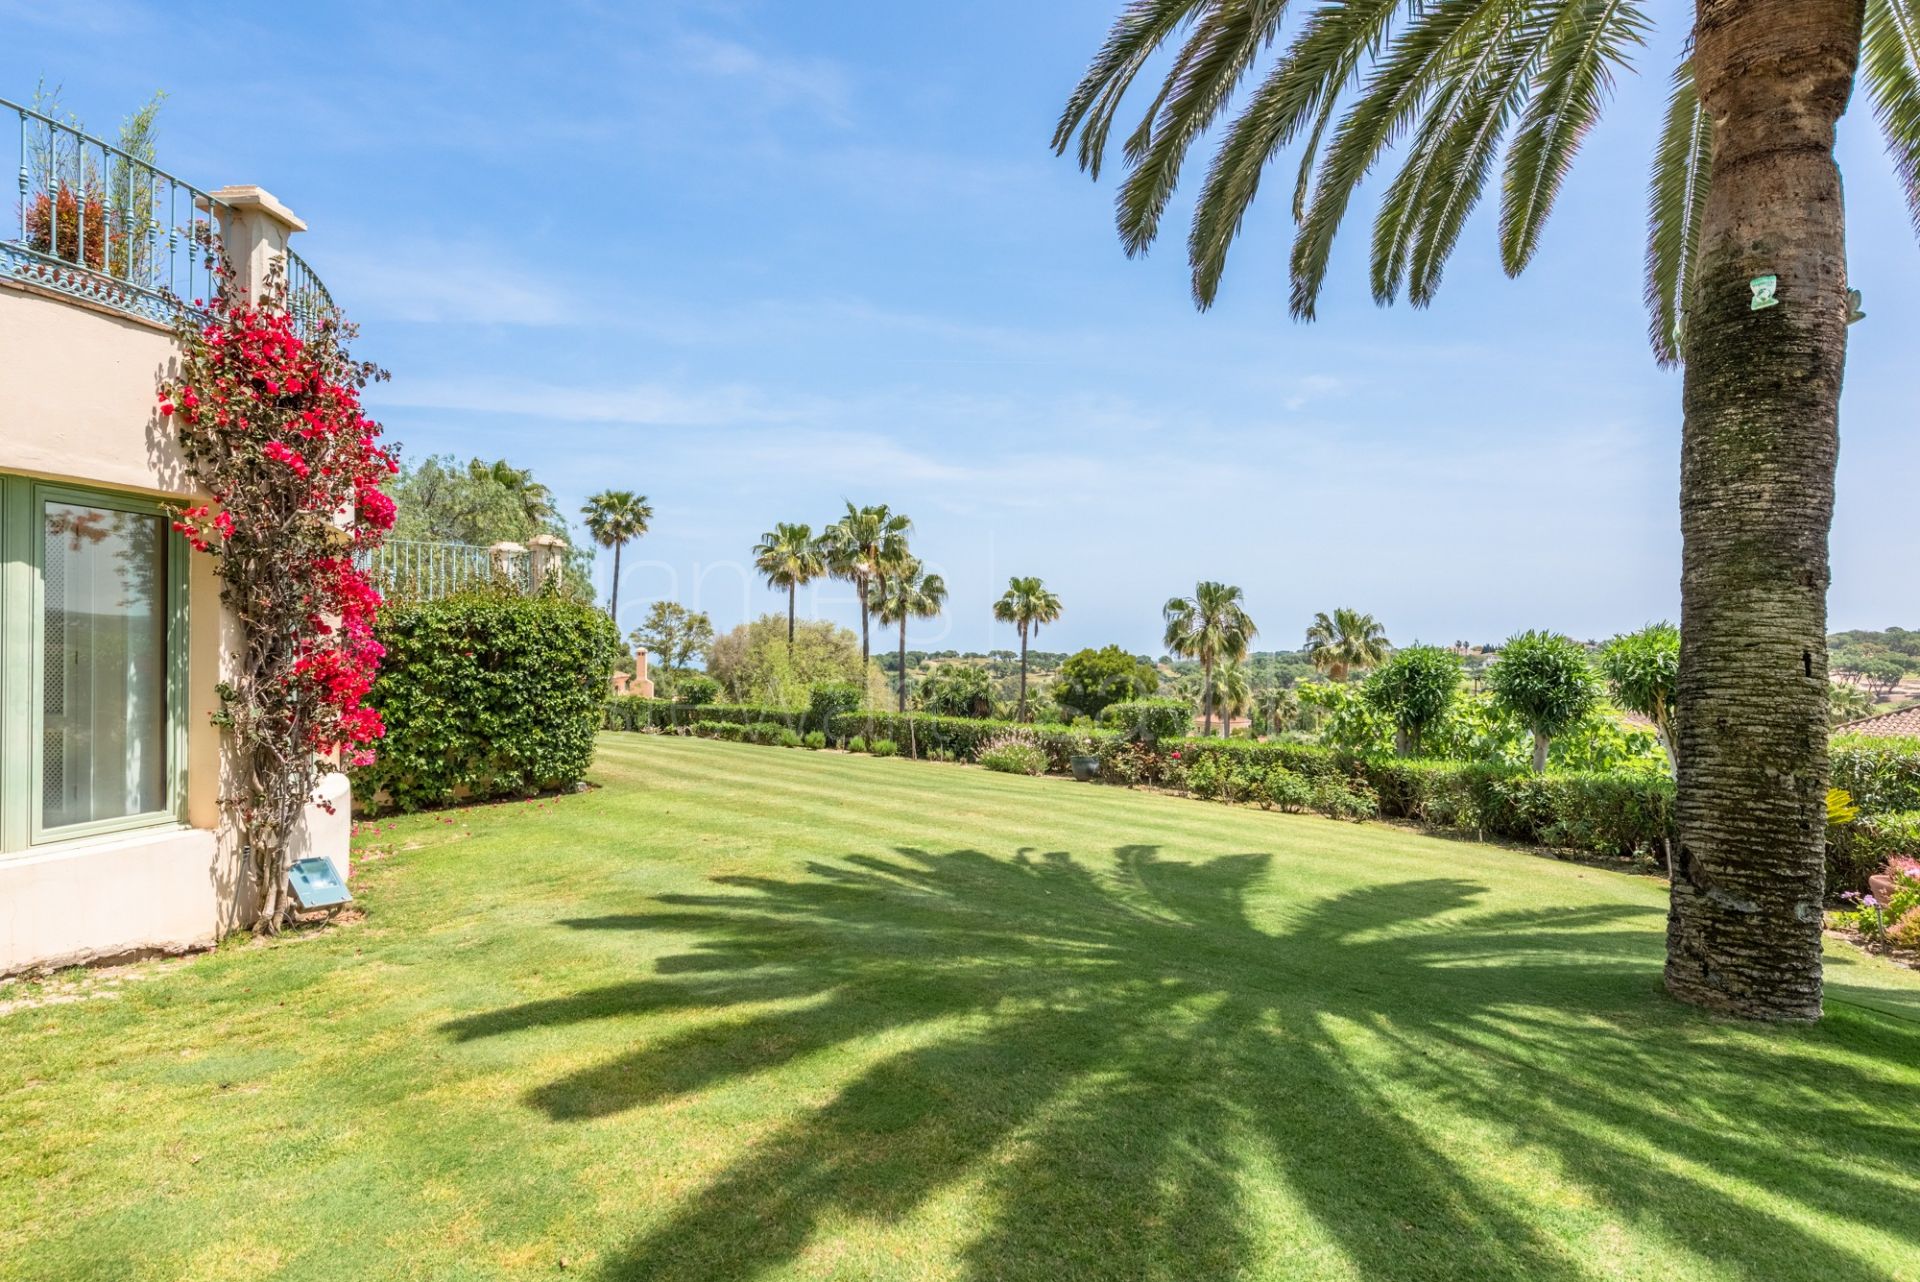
(271, 426)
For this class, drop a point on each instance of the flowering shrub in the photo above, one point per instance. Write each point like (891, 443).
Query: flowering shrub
(1889, 911)
(54, 225)
(271, 427)
(1013, 754)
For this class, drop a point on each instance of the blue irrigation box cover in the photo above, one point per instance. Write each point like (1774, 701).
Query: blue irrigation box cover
(317, 884)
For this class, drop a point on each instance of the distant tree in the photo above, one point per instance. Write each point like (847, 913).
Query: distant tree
(1338, 643)
(788, 556)
(957, 690)
(907, 591)
(615, 518)
(1026, 604)
(1415, 689)
(858, 548)
(1212, 627)
(1882, 674)
(756, 663)
(1232, 694)
(1091, 679)
(673, 634)
(1848, 703)
(534, 500)
(1642, 671)
(1545, 682)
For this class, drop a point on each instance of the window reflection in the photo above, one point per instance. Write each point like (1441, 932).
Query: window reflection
(103, 729)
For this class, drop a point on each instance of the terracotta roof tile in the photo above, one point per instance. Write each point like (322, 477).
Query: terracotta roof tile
(1899, 723)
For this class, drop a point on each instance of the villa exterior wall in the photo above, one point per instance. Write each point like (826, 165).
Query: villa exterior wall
(77, 405)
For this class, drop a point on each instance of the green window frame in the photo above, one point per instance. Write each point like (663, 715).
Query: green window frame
(23, 503)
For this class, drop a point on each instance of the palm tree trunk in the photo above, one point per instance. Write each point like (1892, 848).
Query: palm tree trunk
(793, 595)
(1756, 501)
(613, 603)
(1206, 698)
(1023, 672)
(864, 655)
(903, 660)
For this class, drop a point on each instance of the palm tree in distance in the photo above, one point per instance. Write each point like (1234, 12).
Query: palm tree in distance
(534, 500)
(1746, 283)
(788, 556)
(859, 547)
(907, 591)
(1231, 694)
(1211, 626)
(1338, 643)
(1026, 604)
(615, 518)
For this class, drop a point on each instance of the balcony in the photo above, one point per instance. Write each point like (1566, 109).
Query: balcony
(110, 228)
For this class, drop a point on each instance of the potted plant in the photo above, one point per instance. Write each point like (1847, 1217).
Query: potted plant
(1086, 766)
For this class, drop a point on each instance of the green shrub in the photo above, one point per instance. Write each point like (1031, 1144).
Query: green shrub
(1857, 850)
(785, 738)
(1336, 800)
(1149, 720)
(1281, 789)
(1124, 762)
(1207, 776)
(815, 739)
(883, 748)
(486, 694)
(696, 690)
(1014, 756)
(856, 744)
(832, 699)
(1883, 775)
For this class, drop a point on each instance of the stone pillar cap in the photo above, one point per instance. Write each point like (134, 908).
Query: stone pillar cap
(247, 196)
(506, 545)
(547, 541)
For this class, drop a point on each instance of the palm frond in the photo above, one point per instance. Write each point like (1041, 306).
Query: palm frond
(1140, 29)
(1417, 62)
(1446, 169)
(1592, 37)
(1890, 64)
(1209, 67)
(1676, 199)
(1305, 83)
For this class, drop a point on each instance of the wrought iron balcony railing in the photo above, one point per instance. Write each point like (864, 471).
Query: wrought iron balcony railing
(103, 224)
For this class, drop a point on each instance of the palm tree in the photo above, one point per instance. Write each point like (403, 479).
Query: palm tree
(534, 500)
(1211, 626)
(1345, 640)
(614, 519)
(1026, 604)
(789, 556)
(907, 591)
(1231, 694)
(1746, 283)
(859, 547)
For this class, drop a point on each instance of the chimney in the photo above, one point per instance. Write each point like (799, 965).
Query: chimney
(641, 685)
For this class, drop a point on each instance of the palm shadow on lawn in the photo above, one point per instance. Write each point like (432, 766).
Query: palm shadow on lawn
(1110, 1054)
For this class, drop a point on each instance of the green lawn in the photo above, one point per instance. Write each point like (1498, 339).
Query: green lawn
(751, 1013)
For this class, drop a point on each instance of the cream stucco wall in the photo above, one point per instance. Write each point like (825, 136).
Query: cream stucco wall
(77, 398)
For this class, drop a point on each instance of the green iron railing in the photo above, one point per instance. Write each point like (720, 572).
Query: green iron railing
(103, 224)
(416, 570)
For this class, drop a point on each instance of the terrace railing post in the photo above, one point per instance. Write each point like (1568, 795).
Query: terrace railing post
(504, 558)
(254, 229)
(549, 559)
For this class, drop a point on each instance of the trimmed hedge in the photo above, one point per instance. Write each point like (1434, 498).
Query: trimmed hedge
(923, 734)
(631, 712)
(1149, 720)
(486, 694)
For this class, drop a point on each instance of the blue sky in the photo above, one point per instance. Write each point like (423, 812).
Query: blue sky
(754, 258)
